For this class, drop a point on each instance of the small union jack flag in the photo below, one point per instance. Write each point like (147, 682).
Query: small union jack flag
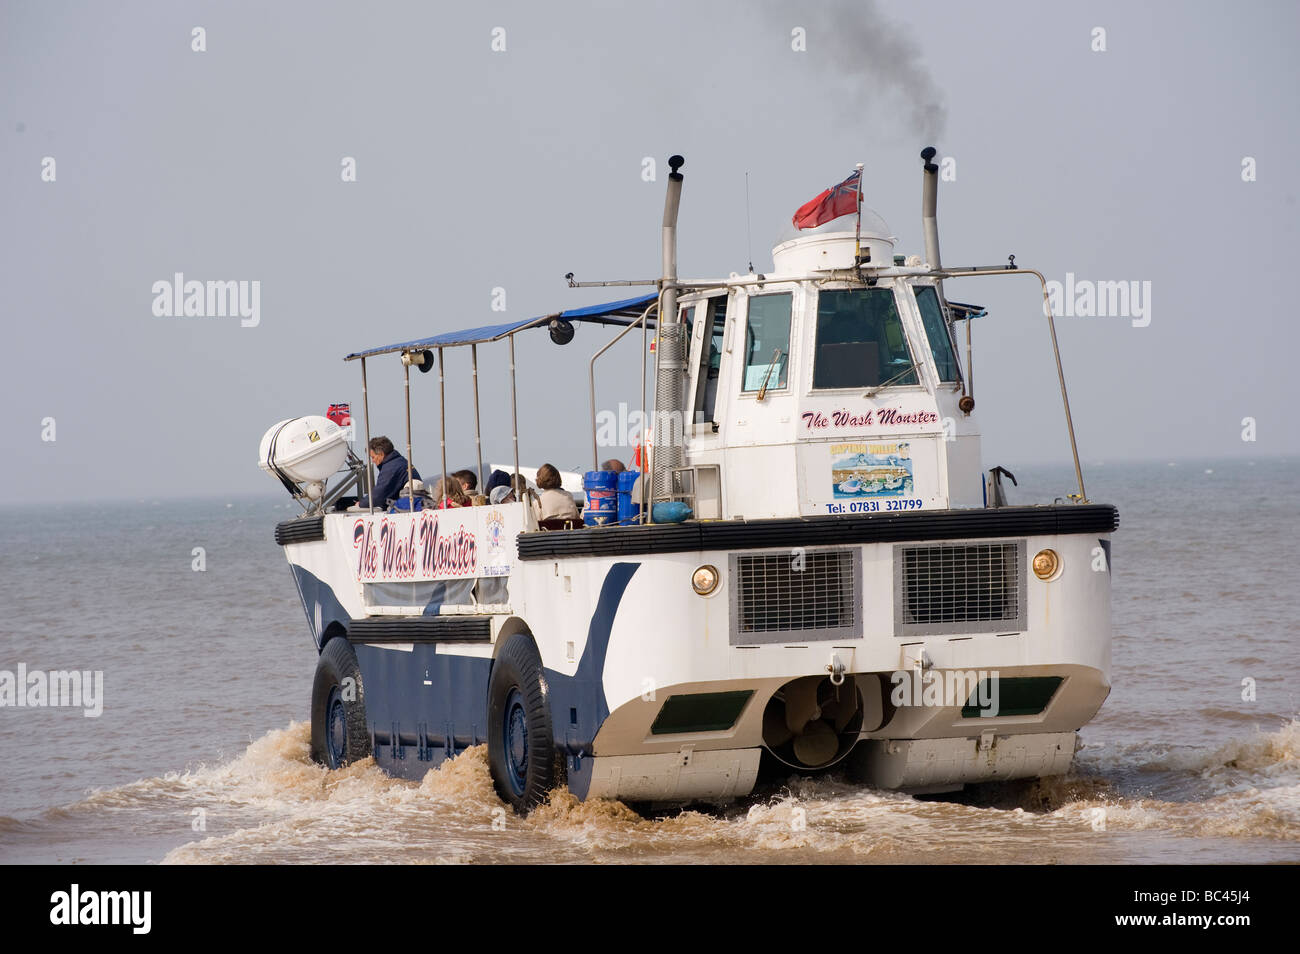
(340, 414)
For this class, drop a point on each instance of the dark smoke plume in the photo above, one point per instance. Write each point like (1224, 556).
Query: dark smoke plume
(879, 59)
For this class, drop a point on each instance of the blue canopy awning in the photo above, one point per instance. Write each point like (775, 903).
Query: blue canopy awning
(611, 313)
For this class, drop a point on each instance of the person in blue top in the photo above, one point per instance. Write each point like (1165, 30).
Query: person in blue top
(392, 472)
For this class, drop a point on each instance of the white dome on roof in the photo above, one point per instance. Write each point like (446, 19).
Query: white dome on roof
(831, 245)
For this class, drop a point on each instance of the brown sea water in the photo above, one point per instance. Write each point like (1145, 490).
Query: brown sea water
(200, 755)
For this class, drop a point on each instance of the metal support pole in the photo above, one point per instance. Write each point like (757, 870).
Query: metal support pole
(1056, 349)
(406, 372)
(478, 436)
(514, 413)
(365, 412)
(591, 375)
(970, 360)
(591, 383)
(442, 425)
(1065, 398)
(647, 493)
(857, 229)
(645, 447)
(648, 475)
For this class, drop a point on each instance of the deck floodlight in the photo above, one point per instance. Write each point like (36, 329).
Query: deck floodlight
(418, 359)
(561, 331)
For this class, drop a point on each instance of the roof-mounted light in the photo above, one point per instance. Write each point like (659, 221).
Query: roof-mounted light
(561, 331)
(418, 359)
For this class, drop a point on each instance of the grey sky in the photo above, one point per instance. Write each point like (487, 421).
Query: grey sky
(478, 169)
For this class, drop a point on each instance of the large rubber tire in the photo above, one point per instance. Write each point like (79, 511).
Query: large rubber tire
(521, 746)
(338, 707)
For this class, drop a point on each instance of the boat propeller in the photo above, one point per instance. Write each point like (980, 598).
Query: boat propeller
(811, 722)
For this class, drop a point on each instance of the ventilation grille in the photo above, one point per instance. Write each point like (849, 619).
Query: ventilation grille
(959, 588)
(796, 596)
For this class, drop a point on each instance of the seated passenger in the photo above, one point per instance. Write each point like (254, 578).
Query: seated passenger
(392, 475)
(448, 493)
(413, 495)
(468, 482)
(553, 501)
(514, 490)
(613, 464)
(498, 478)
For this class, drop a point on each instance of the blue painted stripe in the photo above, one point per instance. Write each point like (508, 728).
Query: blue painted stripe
(436, 721)
(316, 594)
(578, 703)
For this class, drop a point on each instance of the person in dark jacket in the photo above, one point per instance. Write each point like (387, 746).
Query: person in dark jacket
(499, 478)
(392, 472)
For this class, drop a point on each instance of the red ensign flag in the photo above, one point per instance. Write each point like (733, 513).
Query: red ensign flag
(831, 204)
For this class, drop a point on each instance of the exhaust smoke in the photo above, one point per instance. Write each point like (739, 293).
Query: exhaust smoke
(860, 43)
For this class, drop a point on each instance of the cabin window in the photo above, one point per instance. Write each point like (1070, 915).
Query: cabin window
(714, 312)
(936, 329)
(860, 340)
(767, 342)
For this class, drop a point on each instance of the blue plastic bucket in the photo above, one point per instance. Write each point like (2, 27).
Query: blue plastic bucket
(602, 497)
(629, 508)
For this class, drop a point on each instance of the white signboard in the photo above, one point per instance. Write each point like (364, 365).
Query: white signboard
(453, 544)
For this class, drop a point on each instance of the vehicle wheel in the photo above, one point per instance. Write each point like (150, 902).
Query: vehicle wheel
(338, 707)
(521, 748)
